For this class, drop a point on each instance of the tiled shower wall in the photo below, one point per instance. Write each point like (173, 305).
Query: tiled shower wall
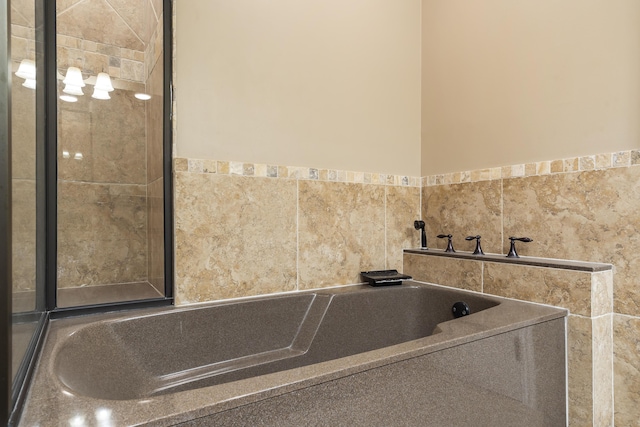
(23, 134)
(584, 209)
(244, 229)
(110, 227)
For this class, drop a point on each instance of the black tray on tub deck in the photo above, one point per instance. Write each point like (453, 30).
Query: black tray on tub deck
(383, 277)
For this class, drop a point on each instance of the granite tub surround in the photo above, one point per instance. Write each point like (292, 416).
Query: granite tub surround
(235, 236)
(586, 289)
(463, 210)
(341, 232)
(295, 228)
(457, 365)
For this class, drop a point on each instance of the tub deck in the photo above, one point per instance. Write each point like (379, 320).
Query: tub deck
(166, 366)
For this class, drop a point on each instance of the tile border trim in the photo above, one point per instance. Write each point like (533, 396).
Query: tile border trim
(221, 167)
(616, 159)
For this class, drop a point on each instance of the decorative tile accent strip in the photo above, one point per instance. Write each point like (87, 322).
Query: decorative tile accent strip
(575, 164)
(181, 164)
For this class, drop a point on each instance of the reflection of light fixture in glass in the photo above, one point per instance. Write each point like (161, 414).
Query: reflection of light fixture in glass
(73, 82)
(103, 82)
(103, 87)
(68, 98)
(143, 96)
(27, 71)
(65, 154)
(100, 94)
(78, 156)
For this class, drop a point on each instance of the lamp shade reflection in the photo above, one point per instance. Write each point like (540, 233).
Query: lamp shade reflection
(27, 71)
(73, 82)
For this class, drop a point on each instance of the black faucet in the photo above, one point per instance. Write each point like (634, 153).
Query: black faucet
(419, 225)
(449, 244)
(512, 250)
(478, 250)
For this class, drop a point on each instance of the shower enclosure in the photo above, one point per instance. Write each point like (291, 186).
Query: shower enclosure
(110, 67)
(85, 167)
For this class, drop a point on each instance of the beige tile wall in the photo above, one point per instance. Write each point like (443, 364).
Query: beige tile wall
(250, 229)
(587, 295)
(585, 208)
(111, 210)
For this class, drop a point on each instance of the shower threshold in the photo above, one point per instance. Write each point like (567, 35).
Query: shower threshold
(104, 294)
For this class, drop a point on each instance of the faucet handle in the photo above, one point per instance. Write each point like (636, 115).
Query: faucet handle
(449, 244)
(478, 250)
(512, 250)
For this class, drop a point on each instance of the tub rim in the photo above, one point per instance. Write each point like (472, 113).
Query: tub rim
(205, 401)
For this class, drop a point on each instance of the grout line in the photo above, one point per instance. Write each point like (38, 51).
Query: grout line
(297, 235)
(502, 238)
(386, 255)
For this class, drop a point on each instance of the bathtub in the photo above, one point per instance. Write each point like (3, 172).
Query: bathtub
(346, 356)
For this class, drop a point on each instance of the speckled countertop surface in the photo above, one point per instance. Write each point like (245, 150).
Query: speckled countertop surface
(50, 403)
(522, 260)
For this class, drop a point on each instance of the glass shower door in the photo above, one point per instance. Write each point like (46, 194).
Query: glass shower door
(110, 232)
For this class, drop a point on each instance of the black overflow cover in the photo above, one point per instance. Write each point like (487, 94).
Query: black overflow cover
(460, 309)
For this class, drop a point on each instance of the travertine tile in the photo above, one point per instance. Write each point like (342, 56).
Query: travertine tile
(235, 236)
(602, 342)
(626, 341)
(589, 216)
(23, 131)
(463, 210)
(402, 208)
(106, 27)
(571, 165)
(136, 15)
(341, 232)
(557, 166)
(155, 234)
(562, 288)
(580, 371)
(155, 118)
(180, 164)
(457, 273)
(601, 293)
(587, 163)
(102, 234)
(110, 136)
(603, 160)
(23, 234)
(621, 159)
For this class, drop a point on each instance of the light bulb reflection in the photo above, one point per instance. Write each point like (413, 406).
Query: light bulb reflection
(142, 96)
(68, 98)
(100, 94)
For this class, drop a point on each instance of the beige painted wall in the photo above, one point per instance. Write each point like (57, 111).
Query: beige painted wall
(507, 82)
(327, 84)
